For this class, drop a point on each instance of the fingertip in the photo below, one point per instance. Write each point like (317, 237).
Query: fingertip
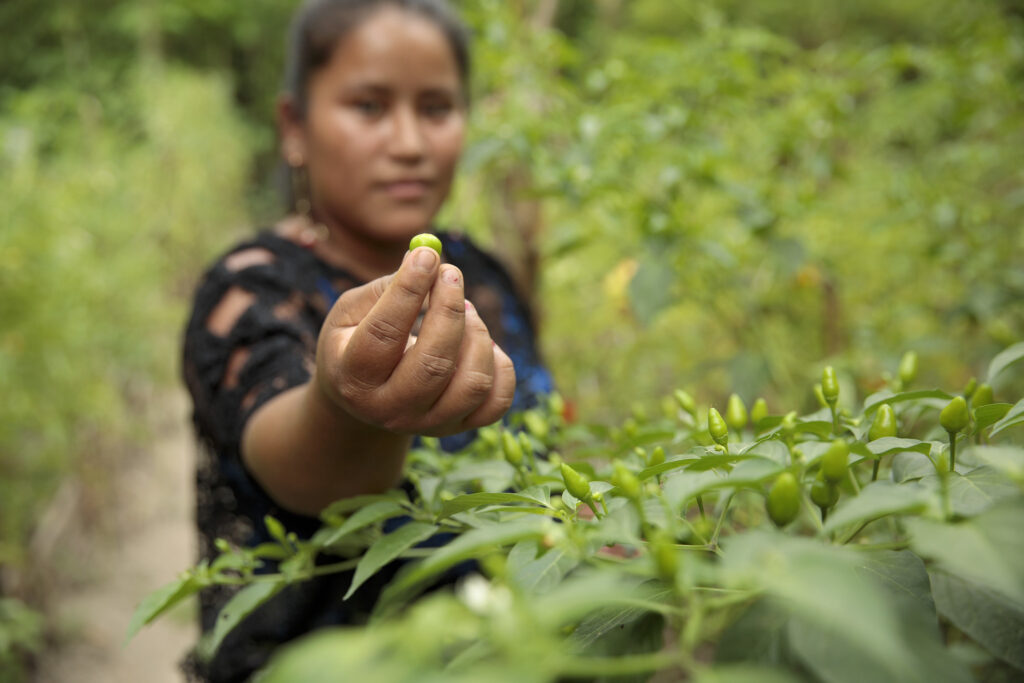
(424, 259)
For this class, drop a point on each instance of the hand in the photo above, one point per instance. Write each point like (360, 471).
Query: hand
(449, 379)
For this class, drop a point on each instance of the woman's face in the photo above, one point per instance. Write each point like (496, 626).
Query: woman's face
(384, 127)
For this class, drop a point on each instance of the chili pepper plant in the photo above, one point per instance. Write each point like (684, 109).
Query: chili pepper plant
(879, 539)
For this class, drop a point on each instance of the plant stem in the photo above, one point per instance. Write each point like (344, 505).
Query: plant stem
(853, 481)
(874, 469)
(952, 451)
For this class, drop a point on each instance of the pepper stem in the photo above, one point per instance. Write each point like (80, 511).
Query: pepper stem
(952, 450)
(874, 470)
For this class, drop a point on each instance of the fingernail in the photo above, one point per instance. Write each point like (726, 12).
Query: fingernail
(451, 276)
(424, 259)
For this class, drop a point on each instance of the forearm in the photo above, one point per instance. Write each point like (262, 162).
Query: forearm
(307, 453)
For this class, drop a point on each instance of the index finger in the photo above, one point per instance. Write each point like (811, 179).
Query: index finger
(380, 337)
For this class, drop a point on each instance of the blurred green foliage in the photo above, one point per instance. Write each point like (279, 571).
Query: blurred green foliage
(733, 193)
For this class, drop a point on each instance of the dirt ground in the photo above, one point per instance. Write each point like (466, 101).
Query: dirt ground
(151, 540)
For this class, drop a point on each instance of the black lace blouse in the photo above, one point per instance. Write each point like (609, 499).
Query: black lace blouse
(276, 294)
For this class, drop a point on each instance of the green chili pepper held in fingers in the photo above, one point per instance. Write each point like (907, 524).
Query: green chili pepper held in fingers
(955, 416)
(783, 502)
(834, 462)
(829, 385)
(884, 424)
(425, 239)
(576, 483)
(736, 413)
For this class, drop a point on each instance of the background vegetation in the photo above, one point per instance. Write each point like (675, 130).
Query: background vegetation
(709, 195)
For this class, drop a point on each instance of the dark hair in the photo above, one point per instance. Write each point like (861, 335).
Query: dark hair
(320, 25)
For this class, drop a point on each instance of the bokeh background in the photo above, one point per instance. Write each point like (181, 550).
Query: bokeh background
(719, 196)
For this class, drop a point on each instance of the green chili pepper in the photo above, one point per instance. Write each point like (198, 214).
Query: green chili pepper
(884, 424)
(908, 368)
(784, 499)
(576, 483)
(820, 395)
(759, 411)
(425, 239)
(955, 416)
(736, 413)
(983, 396)
(717, 428)
(829, 385)
(834, 462)
(512, 449)
(824, 494)
(788, 424)
(666, 560)
(536, 424)
(626, 481)
(685, 401)
(971, 387)
(657, 457)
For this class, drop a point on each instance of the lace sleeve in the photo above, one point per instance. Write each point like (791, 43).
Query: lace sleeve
(251, 336)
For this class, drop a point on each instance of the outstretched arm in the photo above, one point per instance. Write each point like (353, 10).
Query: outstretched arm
(347, 430)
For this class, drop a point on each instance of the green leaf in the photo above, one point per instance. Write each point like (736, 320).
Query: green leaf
(606, 621)
(1013, 418)
(757, 636)
(987, 549)
(875, 401)
(683, 487)
(1004, 359)
(887, 445)
(752, 472)
(475, 500)
(363, 517)
(241, 605)
(386, 549)
(746, 673)
(910, 465)
(878, 499)
(817, 582)
(471, 544)
(345, 505)
(161, 600)
(900, 571)
(990, 414)
(545, 572)
(1007, 459)
(973, 493)
(995, 623)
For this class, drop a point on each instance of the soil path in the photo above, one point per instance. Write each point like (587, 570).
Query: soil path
(150, 543)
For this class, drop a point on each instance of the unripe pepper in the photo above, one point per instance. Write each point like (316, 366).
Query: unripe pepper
(784, 499)
(575, 483)
(717, 428)
(983, 396)
(908, 368)
(834, 462)
(685, 401)
(759, 411)
(823, 493)
(666, 560)
(736, 413)
(971, 387)
(657, 457)
(829, 385)
(626, 481)
(955, 416)
(536, 424)
(511, 448)
(425, 239)
(884, 424)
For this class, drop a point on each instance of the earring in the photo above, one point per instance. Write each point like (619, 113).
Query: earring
(313, 231)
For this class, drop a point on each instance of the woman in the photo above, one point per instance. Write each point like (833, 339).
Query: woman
(318, 350)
